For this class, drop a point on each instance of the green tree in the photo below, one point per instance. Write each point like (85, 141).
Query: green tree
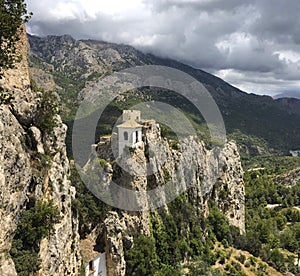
(35, 224)
(47, 109)
(13, 14)
(141, 258)
(219, 225)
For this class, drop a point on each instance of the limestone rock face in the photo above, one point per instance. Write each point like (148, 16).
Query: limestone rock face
(290, 178)
(214, 174)
(229, 189)
(36, 138)
(15, 176)
(115, 261)
(204, 174)
(28, 154)
(60, 251)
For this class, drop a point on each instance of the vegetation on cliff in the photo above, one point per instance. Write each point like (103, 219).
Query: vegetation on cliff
(35, 224)
(272, 233)
(13, 14)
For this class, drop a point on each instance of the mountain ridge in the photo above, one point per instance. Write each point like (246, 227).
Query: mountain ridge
(288, 94)
(82, 62)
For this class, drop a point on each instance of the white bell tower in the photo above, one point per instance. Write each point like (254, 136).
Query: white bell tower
(129, 131)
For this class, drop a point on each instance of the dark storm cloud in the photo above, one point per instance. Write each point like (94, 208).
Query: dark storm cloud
(200, 6)
(279, 21)
(234, 38)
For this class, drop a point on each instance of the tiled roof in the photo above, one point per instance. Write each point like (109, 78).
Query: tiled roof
(130, 124)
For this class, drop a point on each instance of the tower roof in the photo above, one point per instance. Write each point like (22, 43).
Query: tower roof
(130, 124)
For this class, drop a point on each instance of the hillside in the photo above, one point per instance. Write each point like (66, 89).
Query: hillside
(224, 223)
(184, 233)
(70, 67)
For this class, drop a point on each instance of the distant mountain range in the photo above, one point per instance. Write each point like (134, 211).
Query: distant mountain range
(68, 66)
(288, 94)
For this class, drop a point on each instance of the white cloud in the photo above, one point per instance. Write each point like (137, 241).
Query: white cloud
(288, 56)
(65, 11)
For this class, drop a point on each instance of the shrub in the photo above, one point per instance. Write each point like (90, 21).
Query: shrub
(236, 265)
(141, 259)
(6, 96)
(222, 260)
(219, 225)
(101, 161)
(167, 270)
(46, 111)
(35, 224)
(241, 258)
(91, 210)
(175, 145)
(13, 14)
(228, 267)
(252, 260)
(247, 264)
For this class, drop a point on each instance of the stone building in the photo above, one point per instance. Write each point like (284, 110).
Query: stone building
(129, 131)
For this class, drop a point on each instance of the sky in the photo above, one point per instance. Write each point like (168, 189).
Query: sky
(252, 44)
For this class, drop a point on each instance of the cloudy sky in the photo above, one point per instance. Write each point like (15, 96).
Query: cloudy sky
(254, 45)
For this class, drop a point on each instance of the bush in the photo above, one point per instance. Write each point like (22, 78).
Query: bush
(90, 210)
(46, 111)
(219, 225)
(247, 264)
(236, 266)
(228, 267)
(167, 270)
(252, 260)
(141, 259)
(13, 14)
(35, 224)
(101, 161)
(175, 145)
(241, 258)
(26, 261)
(6, 96)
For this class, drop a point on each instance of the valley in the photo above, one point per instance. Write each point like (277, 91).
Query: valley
(263, 128)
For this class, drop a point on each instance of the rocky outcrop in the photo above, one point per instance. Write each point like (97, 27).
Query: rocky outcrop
(203, 174)
(214, 174)
(15, 176)
(34, 166)
(115, 262)
(289, 179)
(59, 252)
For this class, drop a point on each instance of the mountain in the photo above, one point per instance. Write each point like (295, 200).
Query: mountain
(288, 94)
(51, 224)
(71, 66)
(176, 226)
(45, 208)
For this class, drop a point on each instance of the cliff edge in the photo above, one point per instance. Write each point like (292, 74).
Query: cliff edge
(34, 168)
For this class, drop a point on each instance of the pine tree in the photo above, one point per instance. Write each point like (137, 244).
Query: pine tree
(13, 14)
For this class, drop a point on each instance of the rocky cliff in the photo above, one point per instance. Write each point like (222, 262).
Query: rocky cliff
(34, 167)
(200, 174)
